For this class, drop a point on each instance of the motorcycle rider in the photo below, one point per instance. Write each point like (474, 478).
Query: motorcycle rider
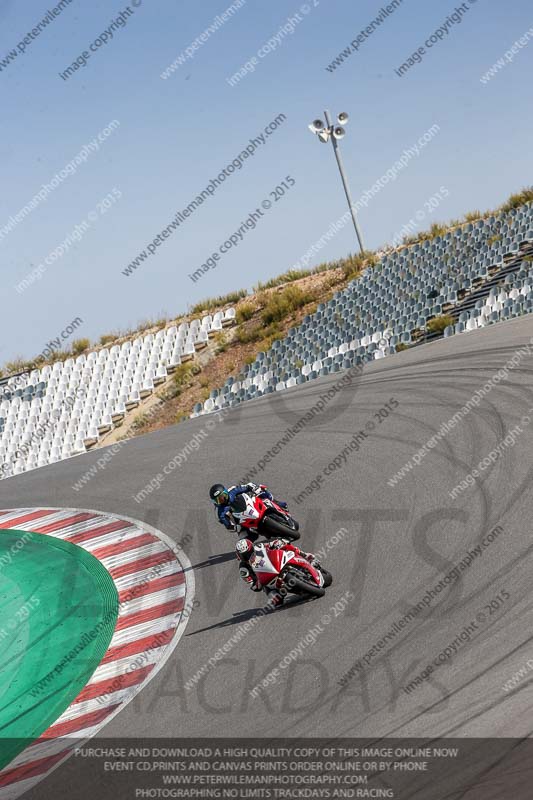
(244, 550)
(223, 498)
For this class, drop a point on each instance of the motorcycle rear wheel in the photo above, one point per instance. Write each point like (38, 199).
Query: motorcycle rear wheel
(294, 580)
(273, 528)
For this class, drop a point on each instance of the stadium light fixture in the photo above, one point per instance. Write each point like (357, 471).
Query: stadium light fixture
(335, 133)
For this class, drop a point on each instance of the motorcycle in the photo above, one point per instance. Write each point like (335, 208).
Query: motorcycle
(258, 515)
(285, 571)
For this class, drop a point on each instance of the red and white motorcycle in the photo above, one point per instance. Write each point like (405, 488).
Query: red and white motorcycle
(258, 515)
(286, 571)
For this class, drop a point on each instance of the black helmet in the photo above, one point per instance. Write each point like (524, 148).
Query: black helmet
(219, 494)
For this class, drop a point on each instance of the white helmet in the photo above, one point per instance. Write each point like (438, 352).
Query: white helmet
(244, 548)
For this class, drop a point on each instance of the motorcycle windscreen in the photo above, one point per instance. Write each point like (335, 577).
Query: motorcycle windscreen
(279, 558)
(239, 504)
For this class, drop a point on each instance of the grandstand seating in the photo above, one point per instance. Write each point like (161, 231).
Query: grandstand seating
(395, 299)
(58, 411)
(479, 274)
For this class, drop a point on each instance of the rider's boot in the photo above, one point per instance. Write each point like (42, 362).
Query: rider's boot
(275, 597)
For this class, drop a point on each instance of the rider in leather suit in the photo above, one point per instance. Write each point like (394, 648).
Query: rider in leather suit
(244, 550)
(223, 498)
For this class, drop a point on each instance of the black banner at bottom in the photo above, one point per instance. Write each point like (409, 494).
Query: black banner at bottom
(150, 769)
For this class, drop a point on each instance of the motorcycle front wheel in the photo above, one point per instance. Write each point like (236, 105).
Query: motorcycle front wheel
(296, 581)
(328, 577)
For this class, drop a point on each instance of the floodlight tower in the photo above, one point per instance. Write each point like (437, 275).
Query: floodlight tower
(335, 133)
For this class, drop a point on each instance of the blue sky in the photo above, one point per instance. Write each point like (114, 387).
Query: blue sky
(174, 135)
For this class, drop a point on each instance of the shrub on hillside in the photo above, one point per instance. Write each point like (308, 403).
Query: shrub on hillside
(519, 199)
(214, 303)
(140, 420)
(184, 373)
(79, 346)
(353, 265)
(18, 365)
(244, 336)
(59, 355)
(271, 337)
(437, 229)
(244, 312)
(144, 325)
(221, 342)
(438, 324)
(106, 338)
(281, 304)
(285, 277)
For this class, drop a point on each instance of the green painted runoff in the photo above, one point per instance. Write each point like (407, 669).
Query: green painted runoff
(58, 610)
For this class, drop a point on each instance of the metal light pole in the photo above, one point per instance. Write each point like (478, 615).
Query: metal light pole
(335, 133)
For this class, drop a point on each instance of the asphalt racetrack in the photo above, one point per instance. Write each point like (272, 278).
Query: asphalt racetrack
(399, 542)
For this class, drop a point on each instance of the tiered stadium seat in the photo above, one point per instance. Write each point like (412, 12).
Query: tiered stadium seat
(58, 411)
(389, 302)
